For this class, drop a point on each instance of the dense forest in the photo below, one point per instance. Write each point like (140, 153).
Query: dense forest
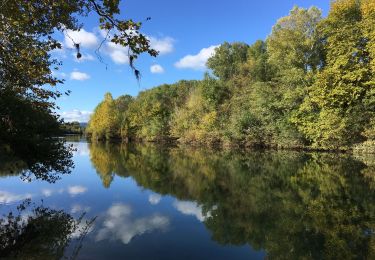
(310, 84)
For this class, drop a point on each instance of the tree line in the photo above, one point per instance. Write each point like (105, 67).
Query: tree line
(72, 128)
(310, 84)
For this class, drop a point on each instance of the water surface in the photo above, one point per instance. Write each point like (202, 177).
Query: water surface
(152, 202)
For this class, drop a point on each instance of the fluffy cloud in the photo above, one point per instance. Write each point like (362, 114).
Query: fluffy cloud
(154, 199)
(162, 45)
(8, 197)
(76, 190)
(76, 75)
(77, 208)
(47, 192)
(118, 53)
(118, 224)
(59, 74)
(50, 192)
(190, 208)
(84, 38)
(198, 61)
(156, 69)
(76, 115)
(82, 228)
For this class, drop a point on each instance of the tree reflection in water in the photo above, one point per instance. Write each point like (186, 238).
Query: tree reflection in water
(46, 160)
(39, 232)
(291, 204)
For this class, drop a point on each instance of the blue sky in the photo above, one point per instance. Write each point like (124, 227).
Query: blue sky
(185, 32)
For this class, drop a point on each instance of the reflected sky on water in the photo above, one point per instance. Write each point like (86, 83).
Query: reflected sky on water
(153, 202)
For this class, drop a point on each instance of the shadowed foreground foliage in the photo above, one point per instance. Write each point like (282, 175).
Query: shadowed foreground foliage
(292, 205)
(45, 160)
(38, 232)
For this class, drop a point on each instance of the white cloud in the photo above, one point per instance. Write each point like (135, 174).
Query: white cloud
(190, 208)
(77, 208)
(118, 53)
(154, 199)
(119, 225)
(162, 45)
(8, 197)
(75, 190)
(84, 57)
(198, 61)
(76, 75)
(82, 228)
(58, 74)
(50, 192)
(76, 115)
(156, 69)
(47, 192)
(82, 37)
(103, 32)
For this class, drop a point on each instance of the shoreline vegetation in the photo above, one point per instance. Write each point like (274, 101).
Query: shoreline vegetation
(309, 85)
(72, 128)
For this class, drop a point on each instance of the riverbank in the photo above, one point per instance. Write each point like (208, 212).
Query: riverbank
(364, 148)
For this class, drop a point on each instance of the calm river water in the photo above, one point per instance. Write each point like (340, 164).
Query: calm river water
(152, 202)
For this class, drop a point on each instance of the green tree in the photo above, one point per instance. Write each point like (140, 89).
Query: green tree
(150, 113)
(27, 33)
(196, 121)
(227, 59)
(72, 128)
(340, 103)
(294, 54)
(309, 84)
(294, 43)
(245, 124)
(105, 121)
(257, 67)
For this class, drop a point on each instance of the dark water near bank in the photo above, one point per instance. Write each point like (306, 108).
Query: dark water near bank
(152, 202)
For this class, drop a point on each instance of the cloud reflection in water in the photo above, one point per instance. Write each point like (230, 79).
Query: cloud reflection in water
(119, 225)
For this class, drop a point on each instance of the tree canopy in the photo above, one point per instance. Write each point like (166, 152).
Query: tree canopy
(27, 37)
(310, 84)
